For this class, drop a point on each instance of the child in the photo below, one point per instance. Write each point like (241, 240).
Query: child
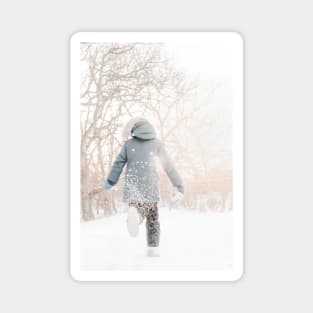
(141, 190)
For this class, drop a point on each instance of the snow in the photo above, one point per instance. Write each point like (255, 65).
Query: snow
(189, 241)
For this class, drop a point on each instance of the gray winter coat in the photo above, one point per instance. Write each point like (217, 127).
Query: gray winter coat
(141, 177)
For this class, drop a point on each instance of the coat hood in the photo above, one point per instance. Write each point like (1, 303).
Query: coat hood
(143, 130)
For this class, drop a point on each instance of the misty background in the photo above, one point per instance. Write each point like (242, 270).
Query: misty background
(184, 91)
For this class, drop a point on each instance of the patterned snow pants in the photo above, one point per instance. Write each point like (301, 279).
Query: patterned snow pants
(150, 212)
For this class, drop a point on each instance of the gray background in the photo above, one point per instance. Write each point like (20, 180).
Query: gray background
(34, 167)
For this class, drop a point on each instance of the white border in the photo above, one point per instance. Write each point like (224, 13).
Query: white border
(235, 41)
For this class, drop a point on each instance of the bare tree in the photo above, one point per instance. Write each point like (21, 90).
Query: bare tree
(118, 81)
(122, 80)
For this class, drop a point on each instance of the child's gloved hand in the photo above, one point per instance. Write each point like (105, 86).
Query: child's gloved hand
(178, 196)
(107, 186)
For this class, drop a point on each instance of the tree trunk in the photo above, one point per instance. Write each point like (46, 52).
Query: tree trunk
(86, 208)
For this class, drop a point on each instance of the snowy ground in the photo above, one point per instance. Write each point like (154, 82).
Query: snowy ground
(189, 241)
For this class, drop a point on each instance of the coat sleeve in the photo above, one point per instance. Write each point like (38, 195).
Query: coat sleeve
(169, 168)
(117, 166)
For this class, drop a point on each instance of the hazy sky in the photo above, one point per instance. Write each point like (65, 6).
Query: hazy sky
(210, 64)
(205, 60)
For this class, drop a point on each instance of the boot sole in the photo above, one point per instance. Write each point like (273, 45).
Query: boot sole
(133, 222)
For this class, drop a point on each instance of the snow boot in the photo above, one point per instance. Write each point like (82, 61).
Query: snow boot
(133, 221)
(153, 252)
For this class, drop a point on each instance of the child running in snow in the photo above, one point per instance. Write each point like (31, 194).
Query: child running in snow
(141, 190)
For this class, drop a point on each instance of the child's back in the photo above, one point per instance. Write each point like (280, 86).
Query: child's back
(139, 153)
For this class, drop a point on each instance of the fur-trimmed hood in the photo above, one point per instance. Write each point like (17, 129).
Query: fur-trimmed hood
(143, 130)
